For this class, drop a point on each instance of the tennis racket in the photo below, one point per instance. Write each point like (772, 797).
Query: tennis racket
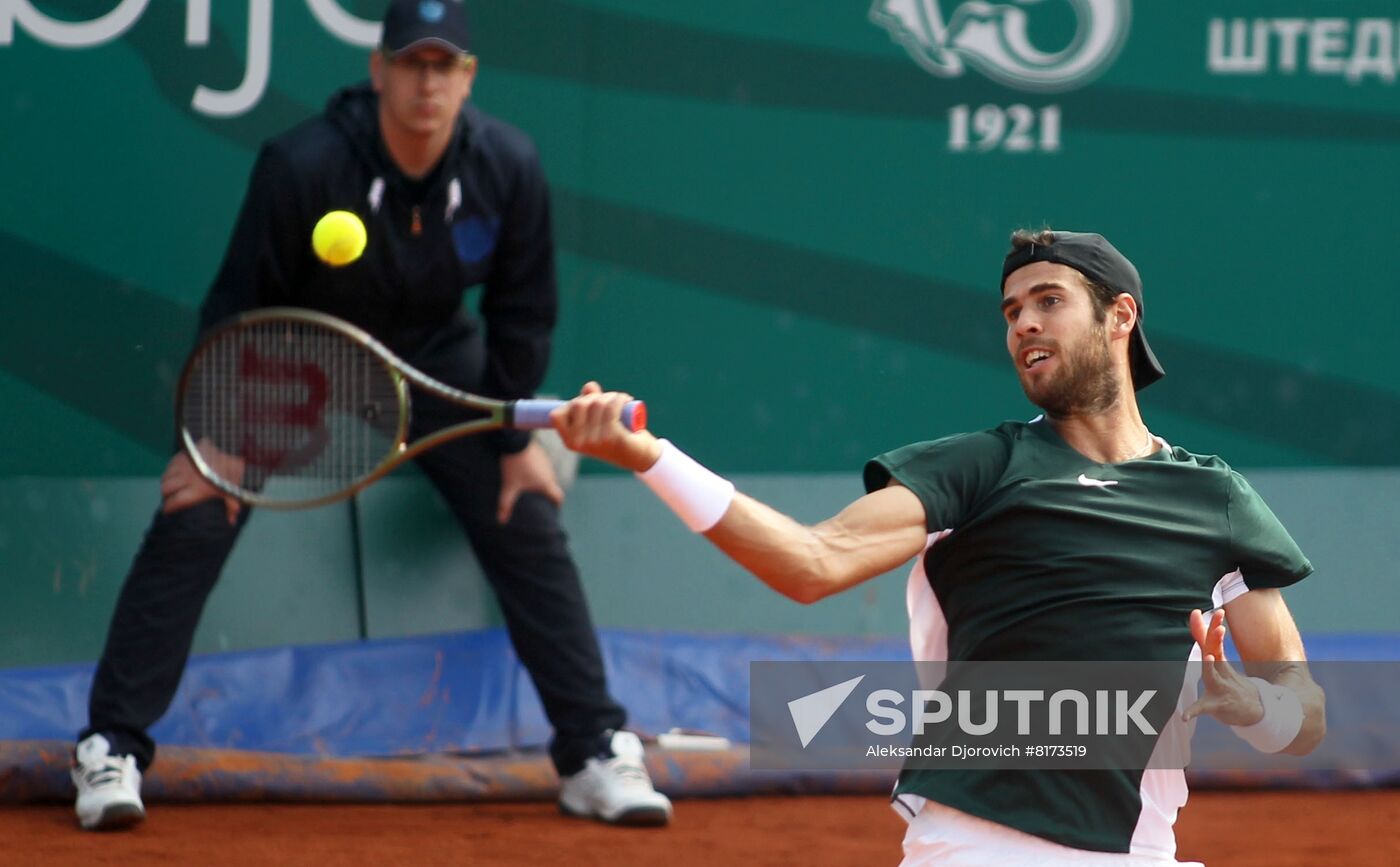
(289, 408)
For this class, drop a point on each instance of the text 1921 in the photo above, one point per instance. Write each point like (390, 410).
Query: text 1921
(1015, 128)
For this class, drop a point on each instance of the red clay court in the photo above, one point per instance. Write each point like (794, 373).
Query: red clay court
(1223, 828)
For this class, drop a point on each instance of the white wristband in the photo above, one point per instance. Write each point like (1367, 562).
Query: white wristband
(696, 494)
(1283, 718)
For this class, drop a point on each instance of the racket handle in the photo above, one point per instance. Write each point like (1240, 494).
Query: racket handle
(534, 414)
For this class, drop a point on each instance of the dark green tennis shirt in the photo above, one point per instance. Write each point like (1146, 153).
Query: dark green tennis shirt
(1040, 553)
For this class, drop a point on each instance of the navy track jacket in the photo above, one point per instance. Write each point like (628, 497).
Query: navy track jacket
(481, 217)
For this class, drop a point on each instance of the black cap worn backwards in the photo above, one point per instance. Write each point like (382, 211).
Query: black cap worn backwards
(410, 24)
(1098, 260)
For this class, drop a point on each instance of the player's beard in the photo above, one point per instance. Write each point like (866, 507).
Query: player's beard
(1082, 384)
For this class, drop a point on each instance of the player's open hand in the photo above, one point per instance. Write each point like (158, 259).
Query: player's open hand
(1229, 696)
(181, 485)
(591, 424)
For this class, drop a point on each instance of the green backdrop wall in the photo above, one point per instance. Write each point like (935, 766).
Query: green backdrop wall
(780, 221)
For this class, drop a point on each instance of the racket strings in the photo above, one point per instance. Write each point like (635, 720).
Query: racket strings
(290, 410)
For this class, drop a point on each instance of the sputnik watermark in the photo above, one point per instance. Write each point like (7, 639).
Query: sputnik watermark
(889, 716)
(844, 715)
(936, 707)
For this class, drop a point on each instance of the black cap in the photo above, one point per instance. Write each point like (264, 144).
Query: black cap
(1098, 260)
(410, 24)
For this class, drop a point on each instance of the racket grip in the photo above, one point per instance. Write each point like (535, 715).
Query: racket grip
(534, 414)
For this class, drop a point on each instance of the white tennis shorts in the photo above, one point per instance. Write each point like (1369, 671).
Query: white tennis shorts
(940, 836)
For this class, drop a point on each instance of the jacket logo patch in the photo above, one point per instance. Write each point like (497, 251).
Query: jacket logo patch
(475, 238)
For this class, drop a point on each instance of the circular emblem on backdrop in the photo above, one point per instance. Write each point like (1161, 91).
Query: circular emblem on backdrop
(431, 11)
(995, 38)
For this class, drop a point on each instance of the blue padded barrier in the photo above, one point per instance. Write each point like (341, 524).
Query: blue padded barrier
(466, 693)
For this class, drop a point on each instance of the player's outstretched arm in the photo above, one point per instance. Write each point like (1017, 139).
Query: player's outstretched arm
(871, 536)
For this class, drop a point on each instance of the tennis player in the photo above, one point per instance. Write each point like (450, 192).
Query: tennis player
(1079, 535)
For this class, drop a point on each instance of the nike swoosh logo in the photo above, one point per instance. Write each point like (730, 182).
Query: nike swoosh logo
(1095, 483)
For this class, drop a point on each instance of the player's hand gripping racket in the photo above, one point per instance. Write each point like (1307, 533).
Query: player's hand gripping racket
(291, 408)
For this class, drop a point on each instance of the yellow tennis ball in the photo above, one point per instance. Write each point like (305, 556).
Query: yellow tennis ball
(339, 238)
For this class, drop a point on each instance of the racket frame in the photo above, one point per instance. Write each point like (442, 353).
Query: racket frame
(499, 413)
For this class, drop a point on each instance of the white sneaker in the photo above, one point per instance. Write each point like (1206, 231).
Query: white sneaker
(616, 790)
(109, 787)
